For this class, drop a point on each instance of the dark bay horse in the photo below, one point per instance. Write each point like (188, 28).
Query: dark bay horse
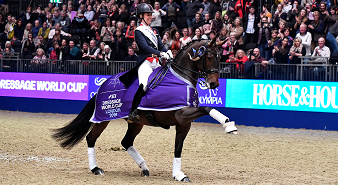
(199, 58)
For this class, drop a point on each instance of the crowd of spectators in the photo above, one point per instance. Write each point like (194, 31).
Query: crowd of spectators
(104, 30)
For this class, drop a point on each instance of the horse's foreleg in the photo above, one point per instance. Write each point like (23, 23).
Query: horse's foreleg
(91, 139)
(188, 114)
(127, 142)
(181, 133)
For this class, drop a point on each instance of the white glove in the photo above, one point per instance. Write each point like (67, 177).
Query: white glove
(164, 55)
(170, 54)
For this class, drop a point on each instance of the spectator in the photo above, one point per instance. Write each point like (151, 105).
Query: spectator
(323, 52)
(281, 52)
(266, 12)
(56, 38)
(107, 54)
(69, 11)
(132, 10)
(8, 44)
(64, 8)
(28, 47)
(39, 58)
(214, 7)
(120, 25)
(131, 55)
(223, 35)
(120, 44)
(57, 27)
(124, 15)
(78, 3)
(250, 26)
(331, 37)
(26, 17)
(286, 34)
(103, 11)
(206, 5)
(281, 28)
(18, 30)
(198, 22)
(89, 14)
(217, 23)
(57, 17)
(130, 33)
(95, 30)
(107, 31)
(212, 35)
(29, 28)
(207, 20)
(271, 43)
(306, 38)
(64, 50)
(49, 20)
(82, 9)
(279, 15)
(42, 43)
(114, 13)
(192, 7)
(227, 21)
(332, 17)
(198, 34)
(9, 28)
(74, 51)
(176, 44)
(248, 4)
(2, 26)
(185, 39)
(296, 51)
(301, 18)
(44, 31)
(134, 46)
(263, 36)
(100, 51)
(85, 51)
(166, 40)
(231, 9)
(79, 24)
(317, 29)
(157, 17)
(65, 22)
(286, 6)
(238, 29)
(240, 58)
(36, 28)
(230, 47)
(92, 50)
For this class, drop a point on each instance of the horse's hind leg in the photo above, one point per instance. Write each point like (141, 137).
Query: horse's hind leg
(127, 142)
(91, 139)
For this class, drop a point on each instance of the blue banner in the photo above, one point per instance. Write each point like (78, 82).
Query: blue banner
(212, 97)
(282, 95)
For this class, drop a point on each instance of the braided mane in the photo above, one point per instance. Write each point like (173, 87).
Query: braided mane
(187, 45)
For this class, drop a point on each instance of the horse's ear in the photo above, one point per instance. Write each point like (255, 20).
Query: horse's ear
(212, 42)
(220, 43)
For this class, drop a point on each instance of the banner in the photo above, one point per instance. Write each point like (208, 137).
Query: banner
(50, 86)
(282, 95)
(212, 97)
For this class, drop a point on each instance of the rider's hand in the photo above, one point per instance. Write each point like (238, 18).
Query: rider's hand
(164, 55)
(170, 54)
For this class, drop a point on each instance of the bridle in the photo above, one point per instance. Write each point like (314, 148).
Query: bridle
(156, 80)
(201, 55)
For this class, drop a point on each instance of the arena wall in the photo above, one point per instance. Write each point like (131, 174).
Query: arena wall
(267, 103)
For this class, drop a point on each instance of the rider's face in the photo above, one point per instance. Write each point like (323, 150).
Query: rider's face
(147, 18)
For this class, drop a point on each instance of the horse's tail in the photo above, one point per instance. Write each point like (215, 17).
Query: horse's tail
(74, 132)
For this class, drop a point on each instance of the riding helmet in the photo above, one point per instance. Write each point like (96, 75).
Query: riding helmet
(144, 8)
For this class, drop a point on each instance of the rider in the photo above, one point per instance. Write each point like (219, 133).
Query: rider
(150, 48)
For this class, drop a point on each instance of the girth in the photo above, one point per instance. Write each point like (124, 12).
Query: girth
(151, 119)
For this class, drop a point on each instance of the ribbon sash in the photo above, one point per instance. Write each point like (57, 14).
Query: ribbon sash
(149, 33)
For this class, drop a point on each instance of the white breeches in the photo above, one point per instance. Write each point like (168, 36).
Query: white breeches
(145, 69)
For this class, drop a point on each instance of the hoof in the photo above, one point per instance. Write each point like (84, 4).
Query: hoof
(145, 173)
(97, 171)
(185, 179)
(235, 132)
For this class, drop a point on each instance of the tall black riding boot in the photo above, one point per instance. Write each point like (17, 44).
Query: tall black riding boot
(133, 115)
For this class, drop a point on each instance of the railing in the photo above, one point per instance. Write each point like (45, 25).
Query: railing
(308, 71)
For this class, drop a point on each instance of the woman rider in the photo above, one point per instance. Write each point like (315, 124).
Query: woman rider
(150, 47)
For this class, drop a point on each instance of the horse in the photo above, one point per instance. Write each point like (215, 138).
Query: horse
(199, 58)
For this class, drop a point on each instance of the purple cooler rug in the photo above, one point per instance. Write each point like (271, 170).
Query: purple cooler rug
(114, 100)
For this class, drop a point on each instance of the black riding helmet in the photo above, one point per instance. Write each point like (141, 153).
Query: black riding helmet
(143, 8)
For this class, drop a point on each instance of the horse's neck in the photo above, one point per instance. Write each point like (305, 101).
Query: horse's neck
(188, 64)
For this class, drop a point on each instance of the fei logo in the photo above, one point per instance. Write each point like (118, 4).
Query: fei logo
(212, 97)
(95, 81)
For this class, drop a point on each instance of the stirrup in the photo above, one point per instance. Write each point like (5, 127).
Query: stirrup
(133, 116)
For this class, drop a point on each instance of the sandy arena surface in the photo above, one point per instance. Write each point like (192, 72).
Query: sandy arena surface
(28, 154)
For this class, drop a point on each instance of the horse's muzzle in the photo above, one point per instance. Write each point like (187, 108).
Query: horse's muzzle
(213, 85)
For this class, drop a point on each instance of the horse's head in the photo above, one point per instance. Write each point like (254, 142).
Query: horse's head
(205, 55)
